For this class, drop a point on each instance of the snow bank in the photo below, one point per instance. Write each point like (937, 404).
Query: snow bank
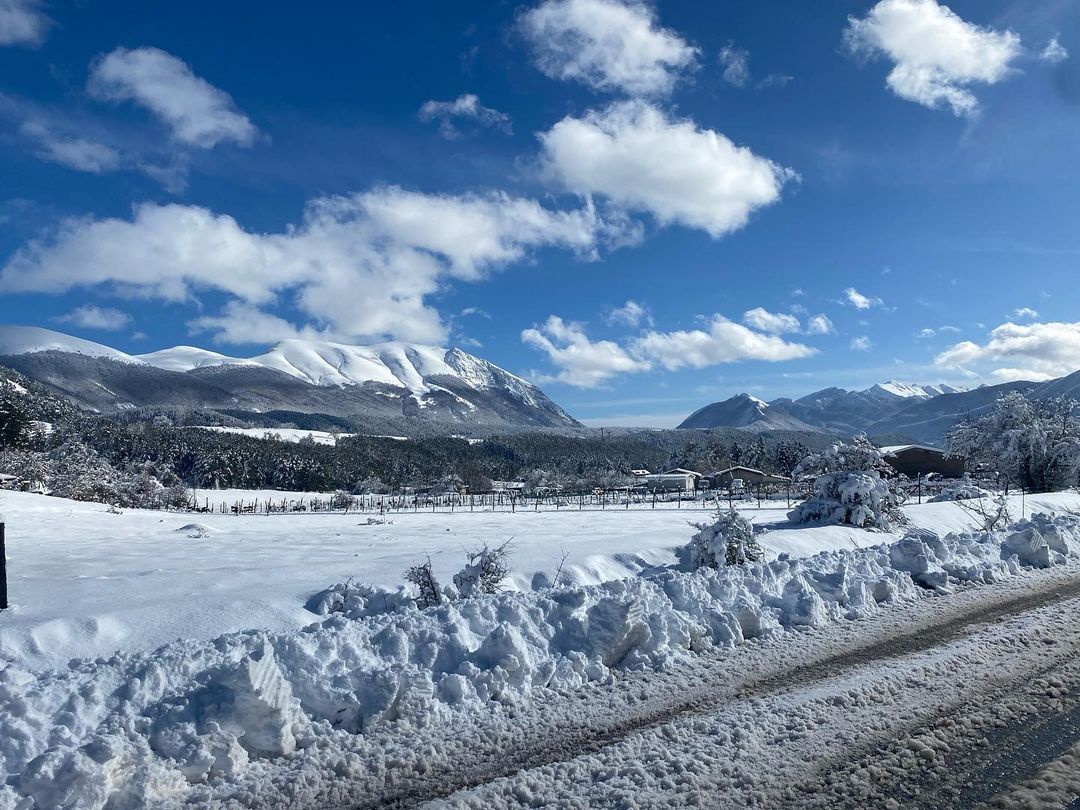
(139, 728)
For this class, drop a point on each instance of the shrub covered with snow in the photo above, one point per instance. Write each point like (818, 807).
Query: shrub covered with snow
(729, 540)
(959, 492)
(484, 572)
(848, 488)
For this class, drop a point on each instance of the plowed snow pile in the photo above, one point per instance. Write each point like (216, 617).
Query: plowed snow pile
(136, 728)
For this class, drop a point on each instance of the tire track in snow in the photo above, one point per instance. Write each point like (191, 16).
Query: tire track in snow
(563, 742)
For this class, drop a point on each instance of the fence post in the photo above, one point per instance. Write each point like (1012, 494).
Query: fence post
(3, 566)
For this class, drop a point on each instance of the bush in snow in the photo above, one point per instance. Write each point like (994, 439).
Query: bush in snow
(729, 540)
(484, 572)
(1032, 444)
(848, 488)
(423, 577)
(964, 491)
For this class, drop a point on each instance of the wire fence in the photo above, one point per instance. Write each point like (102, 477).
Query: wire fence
(602, 500)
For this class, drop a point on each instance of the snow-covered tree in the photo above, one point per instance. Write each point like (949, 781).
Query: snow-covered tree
(848, 487)
(729, 540)
(1031, 444)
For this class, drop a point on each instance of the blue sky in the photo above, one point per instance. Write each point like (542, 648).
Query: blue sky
(644, 207)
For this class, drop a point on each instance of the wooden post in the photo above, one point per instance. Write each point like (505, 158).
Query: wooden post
(3, 567)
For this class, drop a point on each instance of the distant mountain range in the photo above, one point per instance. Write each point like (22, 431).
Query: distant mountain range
(921, 413)
(382, 387)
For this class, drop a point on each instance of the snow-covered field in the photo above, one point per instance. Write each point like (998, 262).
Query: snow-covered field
(282, 434)
(85, 582)
(197, 718)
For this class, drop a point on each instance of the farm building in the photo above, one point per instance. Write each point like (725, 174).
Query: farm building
(748, 475)
(914, 460)
(677, 480)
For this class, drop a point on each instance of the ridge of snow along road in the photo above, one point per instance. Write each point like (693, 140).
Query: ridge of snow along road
(138, 728)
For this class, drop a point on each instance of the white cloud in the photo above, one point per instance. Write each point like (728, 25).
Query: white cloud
(724, 342)
(196, 112)
(582, 362)
(736, 64)
(936, 54)
(81, 154)
(640, 159)
(467, 106)
(471, 311)
(774, 323)
(929, 332)
(22, 22)
(607, 45)
(631, 314)
(860, 301)
(1054, 52)
(92, 317)
(861, 344)
(1025, 313)
(358, 266)
(241, 323)
(820, 325)
(1034, 351)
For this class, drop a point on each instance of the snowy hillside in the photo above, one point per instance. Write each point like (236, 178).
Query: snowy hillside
(16, 340)
(379, 383)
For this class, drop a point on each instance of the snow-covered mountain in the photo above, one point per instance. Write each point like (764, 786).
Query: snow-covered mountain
(877, 409)
(381, 383)
(744, 411)
(894, 388)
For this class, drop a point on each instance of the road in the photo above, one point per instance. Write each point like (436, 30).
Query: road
(965, 700)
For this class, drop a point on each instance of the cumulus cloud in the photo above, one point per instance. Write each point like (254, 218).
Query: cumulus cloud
(724, 342)
(936, 55)
(22, 22)
(631, 314)
(1034, 351)
(637, 157)
(736, 64)
(358, 266)
(861, 344)
(92, 317)
(466, 107)
(81, 154)
(196, 112)
(860, 301)
(820, 325)
(607, 45)
(1054, 52)
(772, 322)
(1025, 314)
(581, 362)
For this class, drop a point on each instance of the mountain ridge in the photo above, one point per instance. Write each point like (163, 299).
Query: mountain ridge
(385, 381)
(921, 412)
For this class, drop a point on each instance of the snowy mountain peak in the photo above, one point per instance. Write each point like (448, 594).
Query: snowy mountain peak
(895, 388)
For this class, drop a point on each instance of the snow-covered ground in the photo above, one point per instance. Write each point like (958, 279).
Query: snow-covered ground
(251, 716)
(283, 434)
(85, 582)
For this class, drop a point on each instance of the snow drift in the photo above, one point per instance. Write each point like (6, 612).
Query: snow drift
(138, 728)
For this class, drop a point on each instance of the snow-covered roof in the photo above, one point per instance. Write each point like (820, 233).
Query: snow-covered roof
(898, 448)
(680, 471)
